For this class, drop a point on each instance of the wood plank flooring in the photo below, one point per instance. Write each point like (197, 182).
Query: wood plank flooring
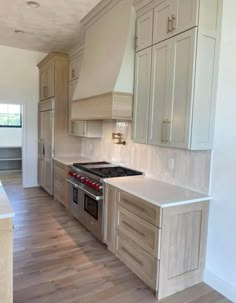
(57, 261)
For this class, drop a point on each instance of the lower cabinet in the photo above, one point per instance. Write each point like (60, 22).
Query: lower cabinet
(6, 261)
(168, 253)
(60, 183)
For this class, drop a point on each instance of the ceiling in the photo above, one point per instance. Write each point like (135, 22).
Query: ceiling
(54, 26)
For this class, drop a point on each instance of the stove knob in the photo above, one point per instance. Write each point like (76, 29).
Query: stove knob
(97, 186)
(70, 174)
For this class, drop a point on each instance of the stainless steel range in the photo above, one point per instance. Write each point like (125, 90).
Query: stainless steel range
(86, 191)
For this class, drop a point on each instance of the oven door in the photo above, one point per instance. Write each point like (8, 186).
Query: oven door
(91, 215)
(89, 208)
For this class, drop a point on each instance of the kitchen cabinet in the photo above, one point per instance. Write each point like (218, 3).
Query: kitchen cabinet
(54, 138)
(46, 76)
(173, 66)
(172, 17)
(175, 106)
(6, 260)
(164, 246)
(60, 184)
(46, 145)
(80, 128)
(142, 95)
(144, 31)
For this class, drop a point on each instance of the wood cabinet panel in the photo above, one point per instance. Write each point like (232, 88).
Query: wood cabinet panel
(6, 261)
(46, 76)
(183, 248)
(137, 259)
(60, 184)
(140, 231)
(139, 207)
(109, 216)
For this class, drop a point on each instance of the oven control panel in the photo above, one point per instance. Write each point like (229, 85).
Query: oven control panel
(86, 181)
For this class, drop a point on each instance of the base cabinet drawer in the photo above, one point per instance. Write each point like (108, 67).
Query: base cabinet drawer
(137, 259)
(141, 208)
(140, 231)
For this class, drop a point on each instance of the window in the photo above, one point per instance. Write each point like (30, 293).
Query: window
(10, 115)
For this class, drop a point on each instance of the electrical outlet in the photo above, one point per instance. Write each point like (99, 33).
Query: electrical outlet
(90, 147)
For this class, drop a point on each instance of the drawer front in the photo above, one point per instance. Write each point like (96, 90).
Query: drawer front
(141, 208)
(137, 259)
(138, 230)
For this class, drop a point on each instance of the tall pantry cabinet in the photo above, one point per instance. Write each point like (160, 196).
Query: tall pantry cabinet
(53, 115)
(176, 72)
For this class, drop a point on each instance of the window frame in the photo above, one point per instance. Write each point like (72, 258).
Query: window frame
(13, 126)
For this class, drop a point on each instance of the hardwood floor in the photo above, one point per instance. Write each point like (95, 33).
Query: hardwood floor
(57, 261)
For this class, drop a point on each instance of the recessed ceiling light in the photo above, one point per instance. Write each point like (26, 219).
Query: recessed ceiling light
(19, 31)
(33, 4)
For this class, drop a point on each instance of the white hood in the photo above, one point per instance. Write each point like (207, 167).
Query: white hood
(105, 85)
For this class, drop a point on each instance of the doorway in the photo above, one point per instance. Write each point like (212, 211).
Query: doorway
(11, 123)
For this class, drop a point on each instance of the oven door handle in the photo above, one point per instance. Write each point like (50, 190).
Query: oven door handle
(97, 198)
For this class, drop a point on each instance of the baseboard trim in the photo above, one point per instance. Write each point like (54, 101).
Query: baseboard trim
(220, 285)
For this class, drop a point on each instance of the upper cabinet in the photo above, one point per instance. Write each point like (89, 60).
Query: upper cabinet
(144, 31)
(47, 81)
(175, 90)
(79, 128)
(172, 17)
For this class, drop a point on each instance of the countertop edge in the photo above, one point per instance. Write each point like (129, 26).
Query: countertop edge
(164, 205)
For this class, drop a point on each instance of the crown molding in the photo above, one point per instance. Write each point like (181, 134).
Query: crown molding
(97, 12)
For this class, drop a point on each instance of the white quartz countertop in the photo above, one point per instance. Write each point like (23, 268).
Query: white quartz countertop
(157, 192)
(6, 210)
(69, 160)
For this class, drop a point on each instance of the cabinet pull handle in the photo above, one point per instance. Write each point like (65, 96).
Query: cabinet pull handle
(73, 73)
(131, 256)
(173, 22)
(134, 229)
(169, 25)
(44, 91)
(163, 132)
(168, 125)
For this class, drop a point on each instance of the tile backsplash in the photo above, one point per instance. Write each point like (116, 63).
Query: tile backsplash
(190, 169)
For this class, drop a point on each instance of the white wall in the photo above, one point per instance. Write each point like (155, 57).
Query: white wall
(221, 249)
(191, 169)
(10, 136)
(19, 84)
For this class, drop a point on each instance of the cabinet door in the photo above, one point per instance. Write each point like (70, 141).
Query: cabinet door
(173, 17)
(142, 95)
(178, 128)
(48, 153)
(41, 150)
(160, 99)
(43, 83)
(144, 31)
(162, 24)
(74, 69)
(185, 15)
(50, 80)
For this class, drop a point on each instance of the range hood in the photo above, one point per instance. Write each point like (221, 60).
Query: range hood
(105, 86)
